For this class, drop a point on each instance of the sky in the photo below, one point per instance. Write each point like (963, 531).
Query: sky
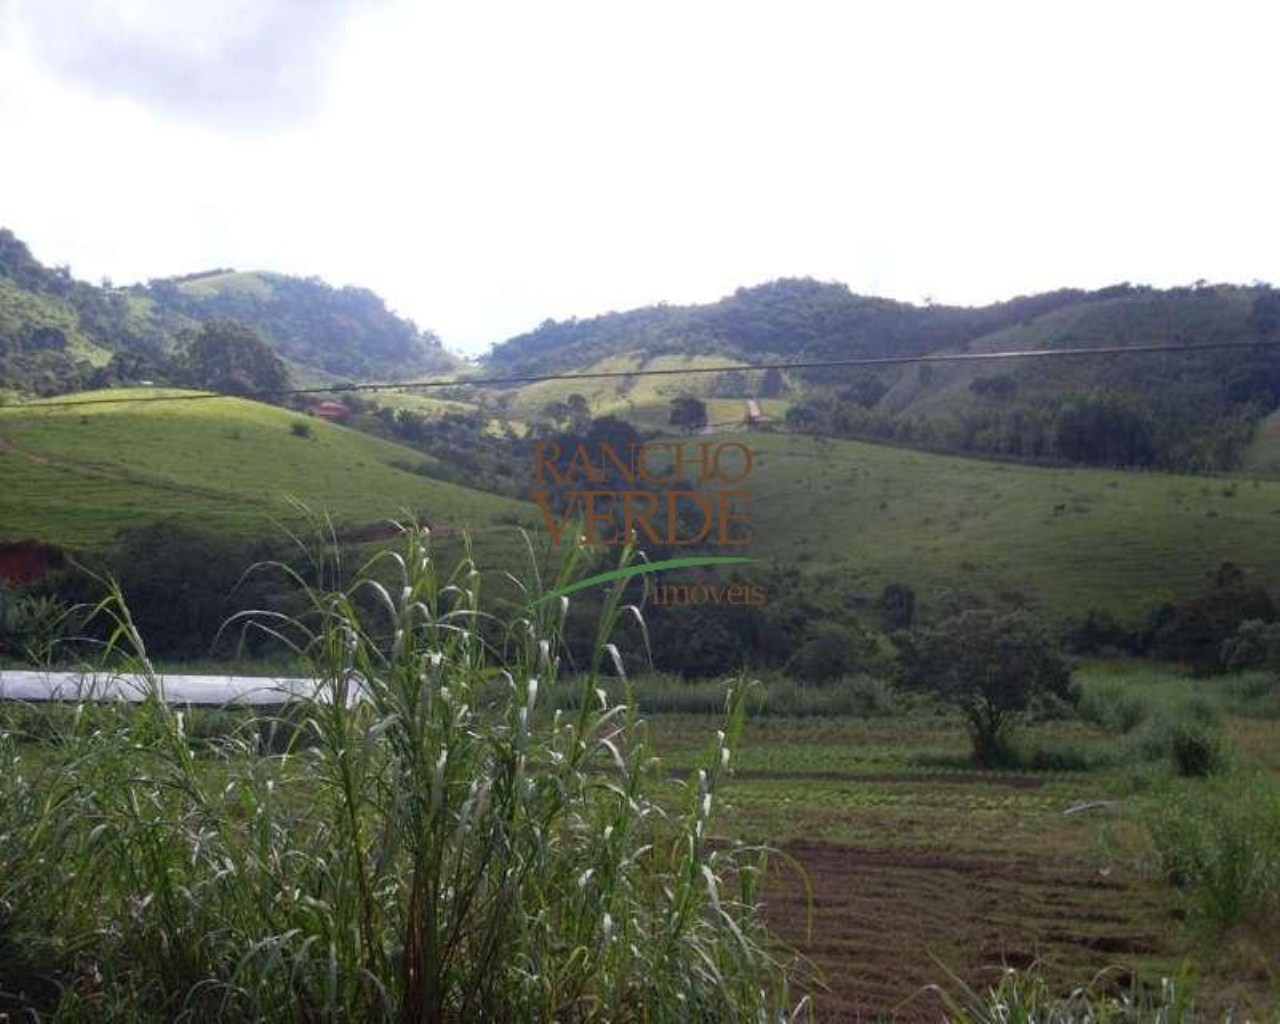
(487, 165)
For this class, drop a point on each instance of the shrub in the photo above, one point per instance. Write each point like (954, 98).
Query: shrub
(32, 625)
(300, 428)
(442, 849)
(1253, 695)
(1190, 739)
(1113, 708)
(831, 650)
(1255, 644)
(897, 607)
(1100, 633)
(1197, 750)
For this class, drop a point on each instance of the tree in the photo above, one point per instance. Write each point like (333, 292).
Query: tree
(897, 606)
(803, 417)
(866, 390)
(578, 412)
(1265, 315)
(1001, 387)
(229, 356)
(990, 666)
(1105, 429)
(688, 413)
(1193, 631)
(772, 385)
(557, 412)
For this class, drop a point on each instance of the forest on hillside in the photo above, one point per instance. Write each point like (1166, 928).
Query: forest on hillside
(60, 334)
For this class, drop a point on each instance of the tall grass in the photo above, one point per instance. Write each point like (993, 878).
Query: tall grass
(1220, 842)
(440, 849)
(1025, 997)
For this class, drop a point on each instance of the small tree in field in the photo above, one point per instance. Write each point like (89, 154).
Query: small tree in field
(990, 666)
(689, 413)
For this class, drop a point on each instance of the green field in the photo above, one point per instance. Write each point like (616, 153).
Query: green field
(1062, 540)
(1262, 456)
(646, 401)
(76, 475)
(249, 283)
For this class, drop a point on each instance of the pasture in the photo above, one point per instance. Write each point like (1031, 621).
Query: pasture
(1058, 540)
(76, 475)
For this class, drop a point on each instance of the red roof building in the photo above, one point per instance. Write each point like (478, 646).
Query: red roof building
(330, 410)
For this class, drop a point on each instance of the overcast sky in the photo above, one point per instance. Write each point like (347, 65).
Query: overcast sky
(487, 165)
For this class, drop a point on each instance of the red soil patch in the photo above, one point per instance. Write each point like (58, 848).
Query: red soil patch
(26, 561)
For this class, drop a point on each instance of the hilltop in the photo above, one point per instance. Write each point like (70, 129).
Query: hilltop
(61, 334)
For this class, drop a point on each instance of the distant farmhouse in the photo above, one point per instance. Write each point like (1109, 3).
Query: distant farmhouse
(330, 411)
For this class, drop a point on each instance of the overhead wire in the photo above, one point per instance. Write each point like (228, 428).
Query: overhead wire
(812, 364)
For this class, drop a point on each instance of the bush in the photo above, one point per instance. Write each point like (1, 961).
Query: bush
(1196, 749)
(1100, 633)
(1113, 708)
(1255, 644)
(1253, 695)
(831, 650)
(300, 428)
(32, 625)
(445, 849)
(1190, 740)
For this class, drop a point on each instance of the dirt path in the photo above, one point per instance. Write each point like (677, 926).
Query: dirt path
(8, 447)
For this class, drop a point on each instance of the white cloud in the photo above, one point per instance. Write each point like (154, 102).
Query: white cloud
(487, 165)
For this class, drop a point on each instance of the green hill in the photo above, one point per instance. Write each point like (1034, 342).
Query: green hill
(1262, 456)
(76, 475)
(792, 318)
(1063, 540)
(345, 332)
(844, 513)
(1181, 411)
(58, 334)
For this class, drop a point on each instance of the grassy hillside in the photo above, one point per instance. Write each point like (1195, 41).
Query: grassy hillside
(76, 475)
(1180, 316)
(1062, 540)
(1065, 540)
(1262, 456)
(249, 285)
(646, 401)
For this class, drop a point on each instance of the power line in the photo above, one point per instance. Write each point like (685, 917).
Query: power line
(816, 364)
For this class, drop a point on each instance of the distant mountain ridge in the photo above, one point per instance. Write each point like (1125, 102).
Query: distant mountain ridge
(795, 318)
(1190, 411)
(55, 330)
